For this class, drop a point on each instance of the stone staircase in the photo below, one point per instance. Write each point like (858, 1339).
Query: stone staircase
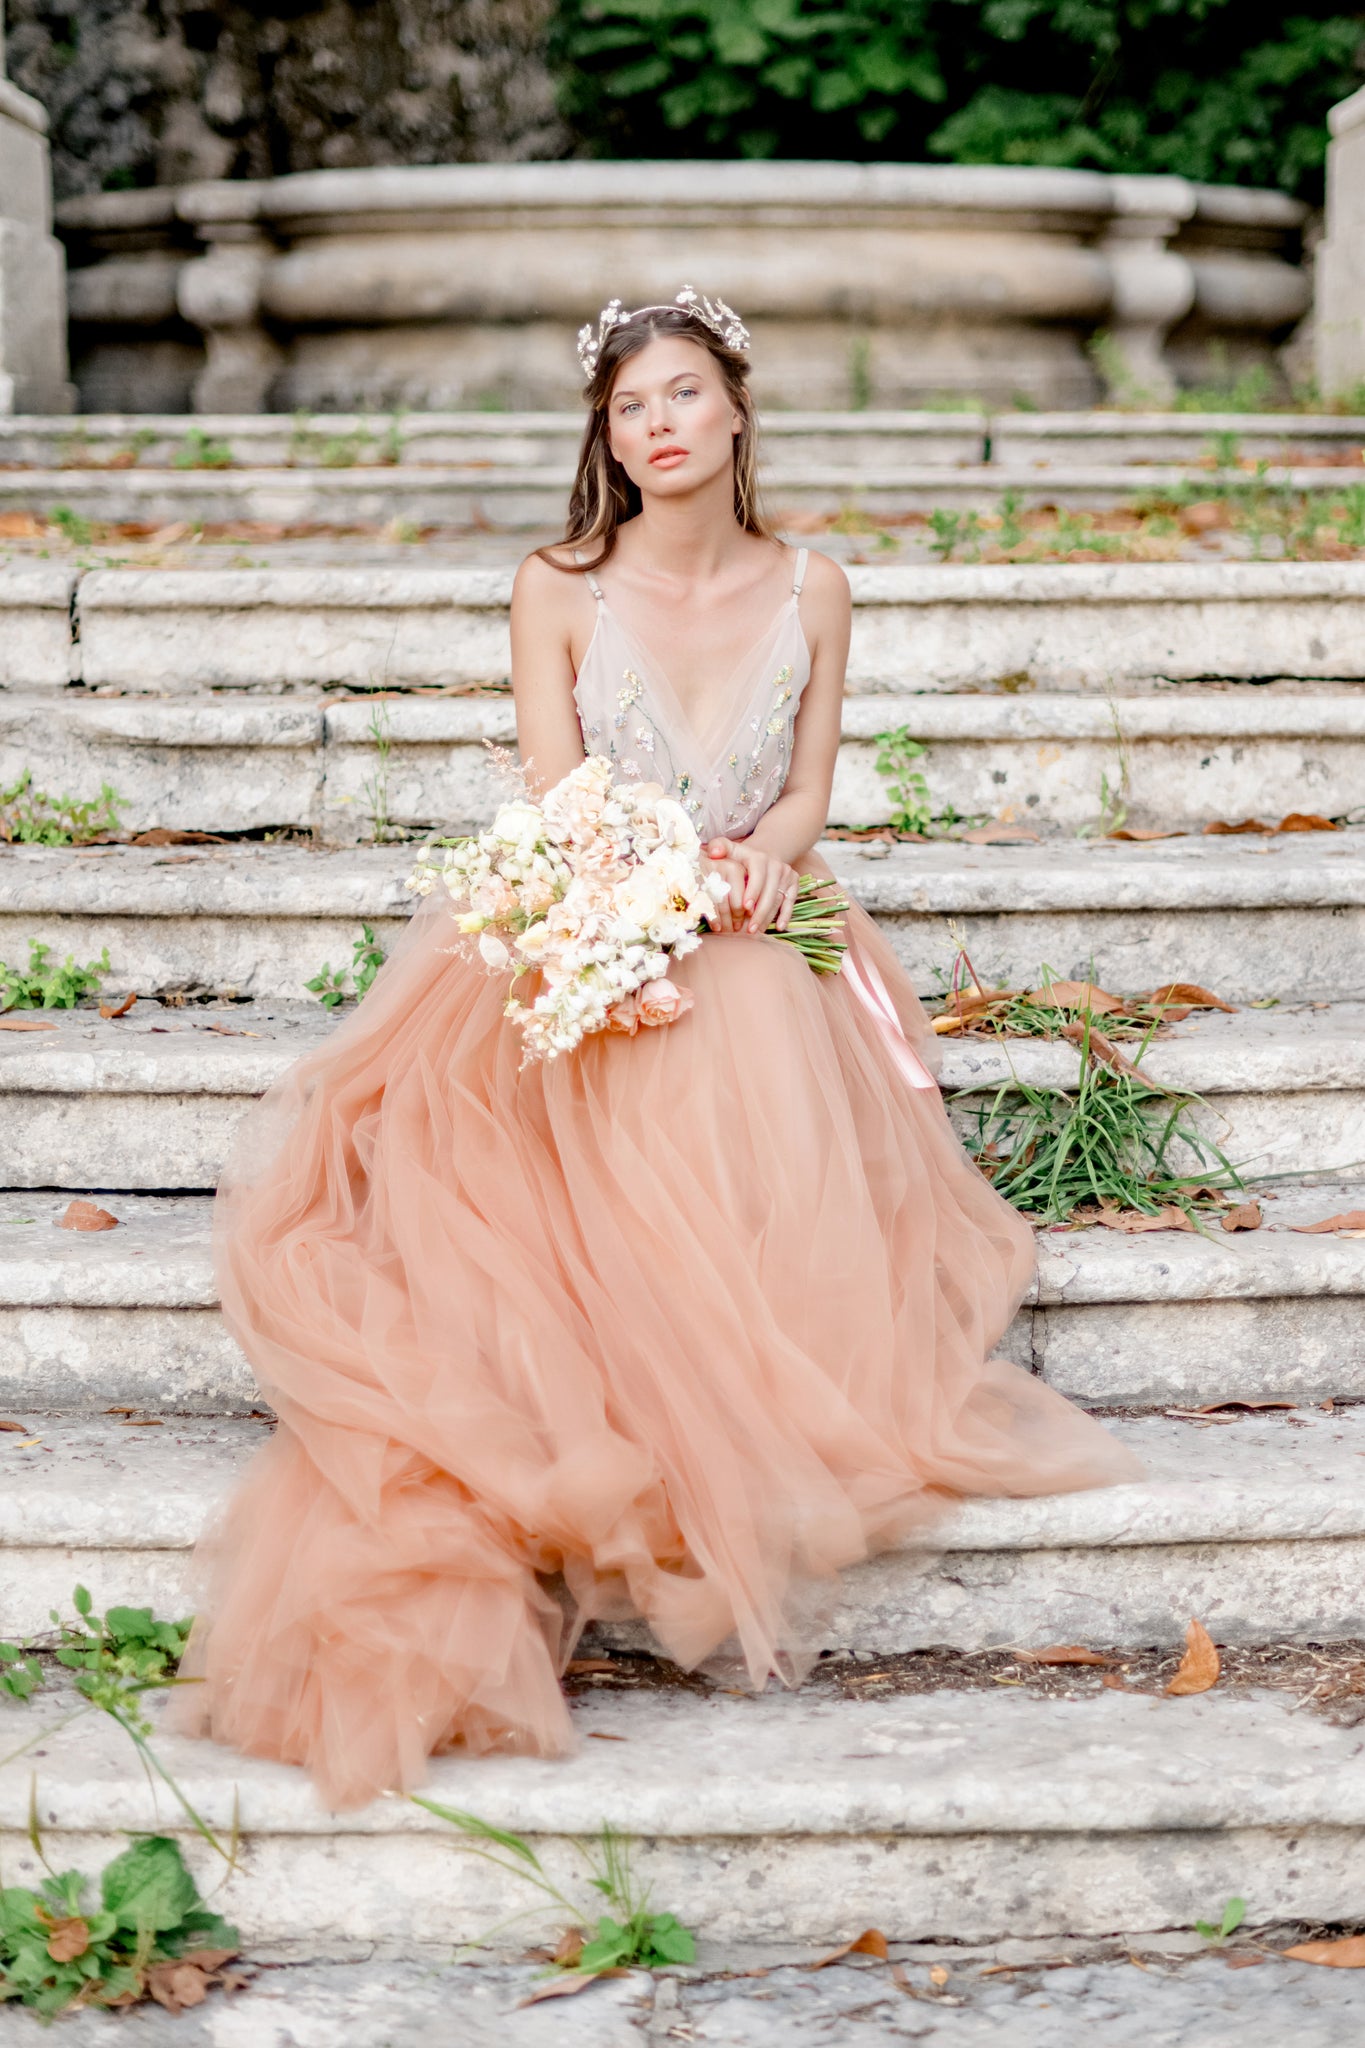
(241, 703)
(514, 469)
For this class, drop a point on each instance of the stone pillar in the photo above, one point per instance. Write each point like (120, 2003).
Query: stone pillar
(220, 293)
(1339, 314)
(32, 264)
(1153, 288)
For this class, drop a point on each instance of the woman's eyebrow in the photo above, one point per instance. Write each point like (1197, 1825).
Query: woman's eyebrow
(628, 391)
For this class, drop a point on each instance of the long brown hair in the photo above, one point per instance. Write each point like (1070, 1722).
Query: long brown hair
(603, 496)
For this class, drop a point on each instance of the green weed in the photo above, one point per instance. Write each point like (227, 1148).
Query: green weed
(953, 530)
(20, 1675)
(72, 526)
(199, 450)
(906, 788)
(57, 1954)
(859, 373)
(30, 817)
(628, 1937)
(334, 985)
(377, 785)
(40, 987)
(1011, 532)
(1234, 1913)
(1048, 1151)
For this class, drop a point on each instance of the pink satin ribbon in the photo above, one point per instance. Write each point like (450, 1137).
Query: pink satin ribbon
(870, 990)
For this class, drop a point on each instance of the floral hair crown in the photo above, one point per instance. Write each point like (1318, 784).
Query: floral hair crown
(713, 313)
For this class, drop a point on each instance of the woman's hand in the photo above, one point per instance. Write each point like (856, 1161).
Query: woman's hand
(762, 888)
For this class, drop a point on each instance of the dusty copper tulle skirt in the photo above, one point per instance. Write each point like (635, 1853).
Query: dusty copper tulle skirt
(674, 1326)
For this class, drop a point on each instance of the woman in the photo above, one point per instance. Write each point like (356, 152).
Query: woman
(675, 1325)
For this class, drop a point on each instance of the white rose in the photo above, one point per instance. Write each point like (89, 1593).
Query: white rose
(643, 896)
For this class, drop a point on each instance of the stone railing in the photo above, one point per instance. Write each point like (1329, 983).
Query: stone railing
(32, 340)
(460, 286)
(1340, 312)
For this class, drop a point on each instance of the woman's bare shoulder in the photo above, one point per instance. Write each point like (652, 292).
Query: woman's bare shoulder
(552, 593)
(826, 579)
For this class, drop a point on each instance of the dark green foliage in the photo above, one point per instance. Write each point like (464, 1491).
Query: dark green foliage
(56, 1953)
(1207, 88)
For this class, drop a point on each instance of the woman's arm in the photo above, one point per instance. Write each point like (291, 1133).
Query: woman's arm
(787, 832)
(544, 606)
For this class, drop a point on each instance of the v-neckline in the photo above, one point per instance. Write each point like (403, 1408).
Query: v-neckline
(662, 682)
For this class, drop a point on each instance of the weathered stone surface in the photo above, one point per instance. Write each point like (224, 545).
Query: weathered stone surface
(130, 1315)
(1339, 322)
(521, 499)
(1252, 918)
(137, 1105)
(238, 766)
(938, 628)
(1063, 441)
(767, 1997)
(36, 649)
(32, 264)
(1258, 1526)
(783, 1819)
(439, 285)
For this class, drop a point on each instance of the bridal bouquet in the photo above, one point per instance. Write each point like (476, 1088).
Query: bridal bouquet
(597, 886)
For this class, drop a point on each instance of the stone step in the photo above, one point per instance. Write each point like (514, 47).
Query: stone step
(130, 1316)
(1176, 760)
(153, 1100)
(1254, 918)
(1255, 1525)
(1010, 626)
(509, 496)
(850, 440)
(791, 1819)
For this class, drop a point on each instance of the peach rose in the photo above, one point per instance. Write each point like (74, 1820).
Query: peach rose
(625, 1015)
(663, 1002)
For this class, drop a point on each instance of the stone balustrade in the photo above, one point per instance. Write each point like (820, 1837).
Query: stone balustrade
(1340, 314)
(460, 286)
(32, 334)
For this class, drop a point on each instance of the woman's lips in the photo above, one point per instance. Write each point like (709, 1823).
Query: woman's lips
(667, 458)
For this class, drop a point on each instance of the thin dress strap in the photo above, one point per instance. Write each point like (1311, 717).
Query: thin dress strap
(800, 575)
(592, 582)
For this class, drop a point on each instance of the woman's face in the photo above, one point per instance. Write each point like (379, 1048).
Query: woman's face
(671, 424)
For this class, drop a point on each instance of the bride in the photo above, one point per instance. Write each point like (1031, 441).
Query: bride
(676, 1325)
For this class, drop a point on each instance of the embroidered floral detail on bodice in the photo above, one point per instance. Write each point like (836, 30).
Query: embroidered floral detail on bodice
(725, 779)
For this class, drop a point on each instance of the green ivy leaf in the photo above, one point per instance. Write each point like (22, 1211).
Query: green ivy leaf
(148, 1888)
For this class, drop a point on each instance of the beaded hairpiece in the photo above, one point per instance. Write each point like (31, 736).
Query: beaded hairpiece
(713, 313)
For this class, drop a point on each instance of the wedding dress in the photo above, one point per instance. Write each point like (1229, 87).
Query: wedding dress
(673, 1326)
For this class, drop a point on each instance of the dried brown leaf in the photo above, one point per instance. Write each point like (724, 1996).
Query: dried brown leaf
(17, 1428)
(1063, 1653)
(871, 1942)
(119, 1009)
(177, 1985)
(1138, 832)
(569, 1948)
(600, 1735)
(1349, 1221)
(26, 1024)
(1221, 825)
(1306, 821)
(86, 1216)
(67, 1939)
(1188, 993)
(1246, 1216)
(1133, 1222)
(1077, 1033)
(567, 1985)
(1077, 995)
(165, 835)
(996, 835)
(938, 1976)
(1200, 1665)
(19, 526)
(1347, 1953)
(579, 1667)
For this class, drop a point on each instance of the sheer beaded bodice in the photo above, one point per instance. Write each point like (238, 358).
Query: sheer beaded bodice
(726, 778)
